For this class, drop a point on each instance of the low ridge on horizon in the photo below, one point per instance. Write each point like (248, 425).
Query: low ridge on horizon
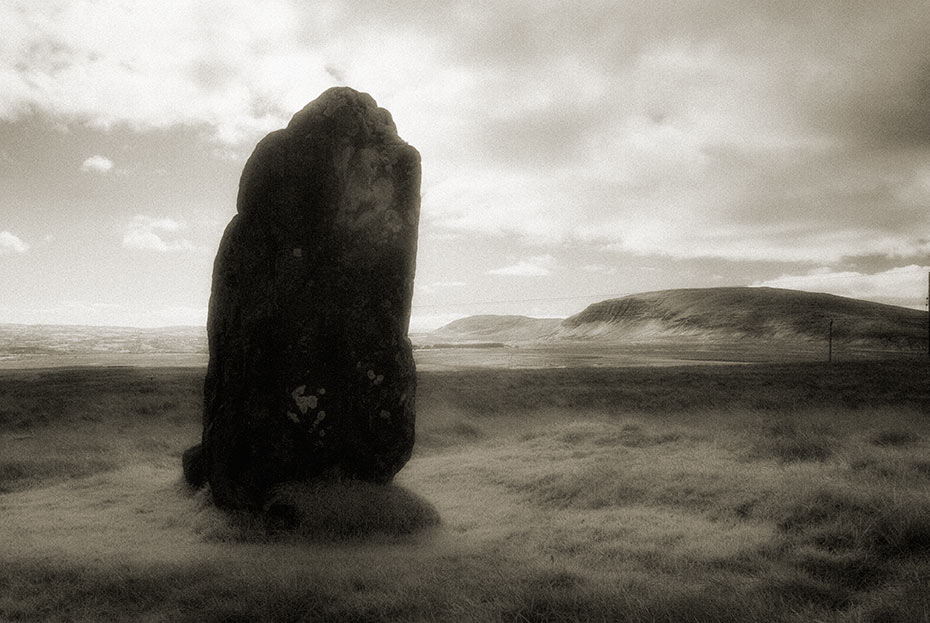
(707, 314)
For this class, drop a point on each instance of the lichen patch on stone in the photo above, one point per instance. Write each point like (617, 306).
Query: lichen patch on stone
(304, 403)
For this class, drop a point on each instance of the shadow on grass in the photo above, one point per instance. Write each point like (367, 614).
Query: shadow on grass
(334, 509)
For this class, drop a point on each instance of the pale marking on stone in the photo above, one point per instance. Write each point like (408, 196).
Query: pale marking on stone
(293, 416)
(385, 414)
(371, 375)
(303, 402)
(378, 380)
(321, 391)
(298, 252)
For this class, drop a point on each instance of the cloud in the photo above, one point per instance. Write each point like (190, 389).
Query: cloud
(905, 285)
(599, 268)
(438, 286)
(10, 243)
(755, 134)
(789, 132)
(539, 266)
(335, 72)
(234, 66)
(145, 233)
(97, 164)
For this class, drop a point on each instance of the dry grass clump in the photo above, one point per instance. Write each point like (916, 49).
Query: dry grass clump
(850, 542)
(895, 438)
(448, 432)
(788, 440)
(36, 399)
(17, 474)
(630, 435)
(892, 467)
(884, 526)
(342, 508)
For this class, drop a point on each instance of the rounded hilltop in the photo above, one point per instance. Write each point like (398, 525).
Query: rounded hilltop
(738, 313)
(708, 315)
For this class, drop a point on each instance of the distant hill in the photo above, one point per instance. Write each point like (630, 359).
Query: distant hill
(491, 329)
(709, 315)
(22, 339)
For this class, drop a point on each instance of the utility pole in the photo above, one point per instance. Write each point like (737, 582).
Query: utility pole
(830, 342)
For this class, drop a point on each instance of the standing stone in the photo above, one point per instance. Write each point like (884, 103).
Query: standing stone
(311, 370)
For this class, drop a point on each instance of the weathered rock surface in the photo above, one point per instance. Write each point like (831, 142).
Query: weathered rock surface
(311, 370)
(192, 464)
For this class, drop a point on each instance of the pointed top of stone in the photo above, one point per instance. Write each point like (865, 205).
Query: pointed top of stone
(310, 157)
(349, 110)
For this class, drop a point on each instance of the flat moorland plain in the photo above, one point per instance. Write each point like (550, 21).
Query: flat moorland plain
(764, 492)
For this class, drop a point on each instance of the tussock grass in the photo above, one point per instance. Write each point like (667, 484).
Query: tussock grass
(447, 431)
(893, 468)
(335, 509)
(19, 474)
(895, 438)
(787, 440)
(861, 521)
(733, 493)
(858, 543)
(31, 399)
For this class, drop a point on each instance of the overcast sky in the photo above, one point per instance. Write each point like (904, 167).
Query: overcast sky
(571, 151)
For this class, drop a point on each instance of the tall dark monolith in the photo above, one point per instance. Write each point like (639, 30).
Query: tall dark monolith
(311, 371)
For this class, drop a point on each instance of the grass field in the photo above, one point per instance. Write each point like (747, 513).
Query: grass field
(765, 492)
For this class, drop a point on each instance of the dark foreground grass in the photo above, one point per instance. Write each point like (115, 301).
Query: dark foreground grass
(732, 493)
(781, 388)
(204, 593)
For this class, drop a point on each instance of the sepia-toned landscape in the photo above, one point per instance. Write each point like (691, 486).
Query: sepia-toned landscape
(428, 312)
